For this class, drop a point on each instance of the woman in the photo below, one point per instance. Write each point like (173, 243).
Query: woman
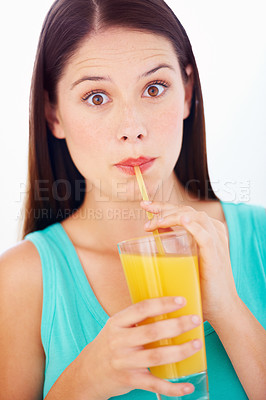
(115, 84)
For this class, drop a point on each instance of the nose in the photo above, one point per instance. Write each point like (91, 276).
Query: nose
(132, 137)
(130, 129)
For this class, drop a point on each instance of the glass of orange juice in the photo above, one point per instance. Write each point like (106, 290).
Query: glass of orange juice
(170, 269)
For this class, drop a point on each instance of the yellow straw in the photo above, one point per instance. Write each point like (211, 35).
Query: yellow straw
(145, 197)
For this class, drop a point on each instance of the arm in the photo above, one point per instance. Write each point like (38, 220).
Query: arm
(22, 356)
(114, 363)
(245, 344)
(241, 334)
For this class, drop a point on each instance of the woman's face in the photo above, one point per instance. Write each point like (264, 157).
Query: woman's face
(117, 101)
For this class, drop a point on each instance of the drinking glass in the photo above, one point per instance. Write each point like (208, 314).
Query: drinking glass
(170, 269)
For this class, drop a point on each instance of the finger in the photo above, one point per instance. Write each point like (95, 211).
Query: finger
(220, 227)
(156, 207)
(169, 220)
(151, 383)
(165, 329)
(205, 221)
(203, 238)
(181, 218)
(163, 222)
(158, 356)
(206, 239)
(161, 208)
(142, 310)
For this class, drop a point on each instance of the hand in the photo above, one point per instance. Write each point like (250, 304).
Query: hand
(117, 358)
(217, 282)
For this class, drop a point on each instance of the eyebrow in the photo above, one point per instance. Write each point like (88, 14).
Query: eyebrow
(107, 78)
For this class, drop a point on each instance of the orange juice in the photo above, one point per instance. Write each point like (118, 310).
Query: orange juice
(150, 276)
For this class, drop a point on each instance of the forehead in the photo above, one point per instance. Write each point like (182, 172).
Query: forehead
(124, 48)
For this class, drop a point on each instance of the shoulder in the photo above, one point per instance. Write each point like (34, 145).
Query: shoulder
(247, 223)
(247, 215)
(22, 356)
(244, 207)
(21, 278)
(21, 266)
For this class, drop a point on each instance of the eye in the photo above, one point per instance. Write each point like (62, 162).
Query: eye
(153, 89)
(94, 98)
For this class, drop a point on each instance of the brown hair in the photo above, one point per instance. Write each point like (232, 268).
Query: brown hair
(55, 188)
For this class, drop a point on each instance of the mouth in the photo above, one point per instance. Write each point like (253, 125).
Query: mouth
(127, 166)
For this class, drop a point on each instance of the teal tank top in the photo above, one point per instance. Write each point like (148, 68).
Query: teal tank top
(72, 316)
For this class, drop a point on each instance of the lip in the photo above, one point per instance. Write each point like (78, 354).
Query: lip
(127, 165)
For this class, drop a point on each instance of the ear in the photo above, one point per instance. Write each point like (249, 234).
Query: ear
(189, 86)
(52, 118)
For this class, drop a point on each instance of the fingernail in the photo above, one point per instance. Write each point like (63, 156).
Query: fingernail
(195, 319)
(187, 389)
(179, 300)
(196, 344)
(185, 219)
(146, 203)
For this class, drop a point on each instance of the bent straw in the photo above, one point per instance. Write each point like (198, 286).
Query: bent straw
(145, 197)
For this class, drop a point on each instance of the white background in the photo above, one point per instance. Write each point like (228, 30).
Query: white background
(229, 42)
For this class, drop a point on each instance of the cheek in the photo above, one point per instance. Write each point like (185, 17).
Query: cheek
(84, 144)
(81, 135)
(169, 126)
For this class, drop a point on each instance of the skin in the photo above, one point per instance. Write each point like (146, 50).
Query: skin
(95, 135)
(109, 132)
(129, 125)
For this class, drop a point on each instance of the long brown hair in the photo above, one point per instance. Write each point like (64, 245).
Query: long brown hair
(55, 188)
